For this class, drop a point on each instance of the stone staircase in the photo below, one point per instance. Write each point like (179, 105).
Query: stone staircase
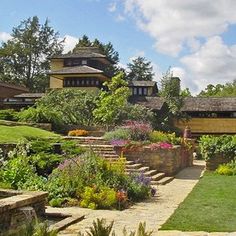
(104, 149)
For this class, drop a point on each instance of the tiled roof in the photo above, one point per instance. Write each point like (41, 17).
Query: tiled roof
(209, 104)
(142, 83)
(13, 86)
(82, 52)
(76, 70)
(155, 103)
(30, 95)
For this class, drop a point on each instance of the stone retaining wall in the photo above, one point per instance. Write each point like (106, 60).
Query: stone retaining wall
(169, 161)
(14, 207)
(213, 163)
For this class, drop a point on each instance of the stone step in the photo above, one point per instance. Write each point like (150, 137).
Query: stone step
(110, 156)
(104, 152)
(140, 170)
(165, 180)
(150, 173)
(133, 166)
(158, 176)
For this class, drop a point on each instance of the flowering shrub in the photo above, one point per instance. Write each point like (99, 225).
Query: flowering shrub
(138, 130)
(78, 132)
(118, 134)
(119, 143)
(162, 145)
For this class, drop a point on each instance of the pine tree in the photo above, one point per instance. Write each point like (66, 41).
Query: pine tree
(24, 59)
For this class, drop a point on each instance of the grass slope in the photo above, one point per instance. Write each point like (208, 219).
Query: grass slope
(12, 134)
(211, 206)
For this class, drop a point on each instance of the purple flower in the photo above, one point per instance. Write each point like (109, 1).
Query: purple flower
(119, 142)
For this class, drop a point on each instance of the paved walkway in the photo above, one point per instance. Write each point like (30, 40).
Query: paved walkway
(154, 212)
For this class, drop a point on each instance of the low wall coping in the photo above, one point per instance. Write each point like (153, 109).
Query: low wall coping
(21, 200)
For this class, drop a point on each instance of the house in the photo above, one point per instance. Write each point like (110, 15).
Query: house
(9, 90)
(209, 115)
(143, 88)
(86, 69)
(21, 100)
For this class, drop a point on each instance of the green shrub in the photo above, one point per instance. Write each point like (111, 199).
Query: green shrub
(227, 169)
(225, 145)
(159, 136)
(98, 198)
(41, 114)
(9, 114)
(45, 162)
(71, 149)
(17, 171)
(56, 202)
(119, 133)
(41, 145)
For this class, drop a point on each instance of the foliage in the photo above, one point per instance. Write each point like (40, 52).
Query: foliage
(71, 149)
(140, 232)
(17, 171)
(138, 130)
(8, 114)
(78, 132)
(100, 228)
(170, 90)
(98, 198)
(118, 134)
(219, 90)
(161, 145)
(140, 69)
(227, 169)
(111, 103)
(25, 57)
(224, 145)
(35, 228)
(40, 114)
(72, 106)
(138, 113)
(159, 136)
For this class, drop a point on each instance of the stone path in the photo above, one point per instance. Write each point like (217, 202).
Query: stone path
(154, 212)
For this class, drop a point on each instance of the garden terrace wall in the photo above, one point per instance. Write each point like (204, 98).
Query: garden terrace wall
(169, 161)
(218, 159)
(14, 206)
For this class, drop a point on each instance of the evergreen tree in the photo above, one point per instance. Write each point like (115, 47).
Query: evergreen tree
(140, 69)
(24, 59)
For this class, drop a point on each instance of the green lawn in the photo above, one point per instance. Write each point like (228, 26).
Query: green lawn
(12, 134)
(211, 206)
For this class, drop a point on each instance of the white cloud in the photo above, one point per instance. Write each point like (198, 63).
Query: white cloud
(177, 23)
(112, 7)
(120, 18)
(69, 43)
(4, 36)
(214, 63)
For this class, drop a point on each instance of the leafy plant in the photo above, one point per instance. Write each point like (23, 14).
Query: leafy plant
(140, 232)
(159, 136)
(224, 145)
(9, 114)
(227, 169)
(119, 133)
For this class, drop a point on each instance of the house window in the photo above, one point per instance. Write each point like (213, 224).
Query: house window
(84, 62)
(145, 91)
(134, 91)
(140, 91)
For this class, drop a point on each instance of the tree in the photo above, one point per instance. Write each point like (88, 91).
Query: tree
(111, 103)
(219, 90)
(24, 59)
(171, 91)
(185, 93)
(74, 106)
(140, 69)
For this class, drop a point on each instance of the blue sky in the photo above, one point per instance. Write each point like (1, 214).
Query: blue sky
(196, 38)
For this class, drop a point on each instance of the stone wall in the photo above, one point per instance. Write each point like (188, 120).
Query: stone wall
(19, 207)
(213, 163)
(169, 161)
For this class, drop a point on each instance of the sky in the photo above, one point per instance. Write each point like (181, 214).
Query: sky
(197, 39)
